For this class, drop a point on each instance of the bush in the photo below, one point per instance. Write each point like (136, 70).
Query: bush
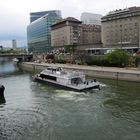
(97, 60)
(118, 58)
(79, 62)
(60, 60)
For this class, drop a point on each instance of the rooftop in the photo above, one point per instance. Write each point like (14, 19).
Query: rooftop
(70, 19)
(122, 13)
(118, 11)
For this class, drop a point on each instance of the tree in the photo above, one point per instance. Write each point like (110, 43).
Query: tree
(118, 58)
(70, 48)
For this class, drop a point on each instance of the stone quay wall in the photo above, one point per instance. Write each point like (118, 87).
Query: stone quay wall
(126, 74)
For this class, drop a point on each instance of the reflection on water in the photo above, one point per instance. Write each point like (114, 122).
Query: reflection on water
(125, 101)
(7, 67)
(36, 111)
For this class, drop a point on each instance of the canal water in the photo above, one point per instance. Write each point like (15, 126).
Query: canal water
(37, 111)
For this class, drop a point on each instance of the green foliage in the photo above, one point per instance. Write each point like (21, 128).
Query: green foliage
(13, 51)
(118, 58)
(59, 60)
(62, 61)
(70, 48)
(79, 62)
(137, 61)
(97, 60)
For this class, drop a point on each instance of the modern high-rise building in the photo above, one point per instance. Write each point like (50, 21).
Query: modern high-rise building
(14, 44)
(35, 15)
(121, 28)
(39, 32)
(90, 18)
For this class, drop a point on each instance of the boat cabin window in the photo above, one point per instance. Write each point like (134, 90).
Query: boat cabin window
(48, 77)
(54, 69)
(49, 68)
(76, 80)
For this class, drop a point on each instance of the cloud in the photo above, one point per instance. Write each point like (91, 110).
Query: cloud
(15, 13)
(8, 43)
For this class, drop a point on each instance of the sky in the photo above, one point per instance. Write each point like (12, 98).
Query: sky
(14, 14)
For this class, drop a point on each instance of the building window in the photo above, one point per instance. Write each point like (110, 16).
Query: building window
(136, 24)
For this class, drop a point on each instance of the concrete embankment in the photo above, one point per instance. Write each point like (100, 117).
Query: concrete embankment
(95, 71)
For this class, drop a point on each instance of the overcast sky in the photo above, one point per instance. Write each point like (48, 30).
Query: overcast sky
(14, 14)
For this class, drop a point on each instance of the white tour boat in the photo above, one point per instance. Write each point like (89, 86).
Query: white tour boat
(68, 79)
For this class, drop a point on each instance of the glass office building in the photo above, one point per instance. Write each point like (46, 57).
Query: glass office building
(39, 32)
(35, 15)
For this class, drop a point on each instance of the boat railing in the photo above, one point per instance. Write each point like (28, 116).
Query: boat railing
(87, 82)
(63, 72)
(52, 72)
(75, 74)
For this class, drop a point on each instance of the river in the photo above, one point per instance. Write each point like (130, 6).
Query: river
(36, 111)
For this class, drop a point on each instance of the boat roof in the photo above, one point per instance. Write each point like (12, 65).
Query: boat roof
(59, 72)
(54, 68)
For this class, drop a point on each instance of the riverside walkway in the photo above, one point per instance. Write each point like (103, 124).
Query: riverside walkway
(100, 68)
(129, 74)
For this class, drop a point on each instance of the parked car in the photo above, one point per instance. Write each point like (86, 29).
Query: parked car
(137, 53)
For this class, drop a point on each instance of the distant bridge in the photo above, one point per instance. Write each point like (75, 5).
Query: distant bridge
(15, 55)
(20, 57)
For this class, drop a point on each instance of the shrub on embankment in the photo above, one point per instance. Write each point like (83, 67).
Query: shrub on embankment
(60, 59)
(96, 60)
(117, 58)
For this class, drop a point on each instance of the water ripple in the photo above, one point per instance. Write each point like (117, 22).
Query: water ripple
(36, 111)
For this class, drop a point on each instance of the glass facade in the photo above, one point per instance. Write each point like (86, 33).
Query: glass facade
(39, 32)
(35, 15)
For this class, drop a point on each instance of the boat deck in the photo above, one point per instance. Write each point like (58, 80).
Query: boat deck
(79, 87)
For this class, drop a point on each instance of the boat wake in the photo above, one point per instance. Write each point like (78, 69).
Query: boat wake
(70, 95)
(103, 85)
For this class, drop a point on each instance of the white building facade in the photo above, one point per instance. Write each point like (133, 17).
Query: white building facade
(91, 18)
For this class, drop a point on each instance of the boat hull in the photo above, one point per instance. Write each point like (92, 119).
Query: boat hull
(63, 86)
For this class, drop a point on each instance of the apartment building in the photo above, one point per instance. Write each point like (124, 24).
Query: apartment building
(121, 28)
(66, 32)
(71, 31)
(90, 34)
